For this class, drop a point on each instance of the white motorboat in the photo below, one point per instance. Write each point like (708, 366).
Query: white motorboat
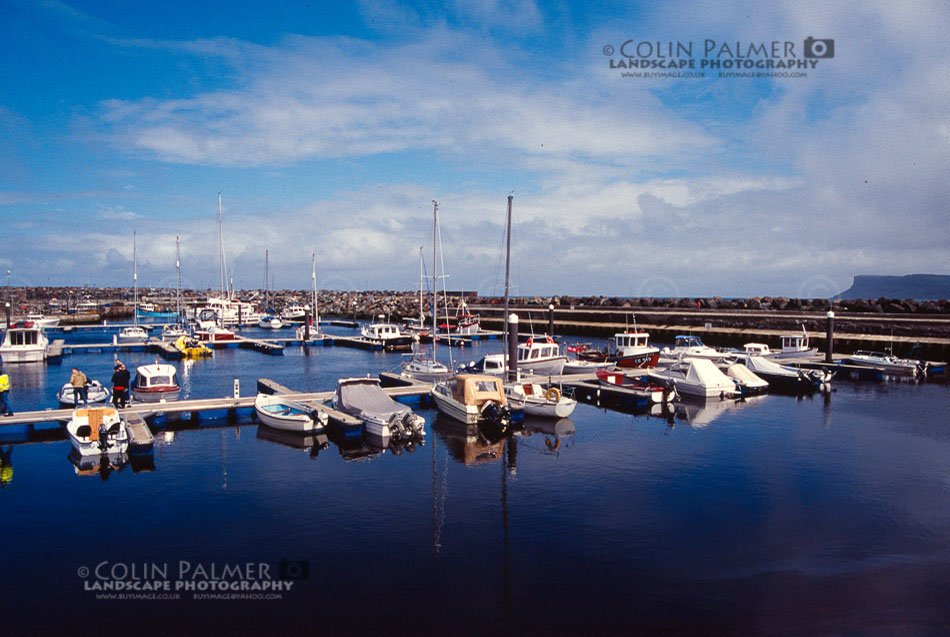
(24, 342)
(210, 329)
(156, 383)
(280, 413)
(887, 363)
(795, 345)
(97, 430)
(95, 393)
(132, 335)
(42, 320)
(386, 334)
(475, 399)
(535, 401)
(746, 380)
(757, 349)
(540, 357)
(173, 332)
(270, 322)
(382, 417)
(784, 378)
(578, 366)
(697, 377)
(293, 312)
(686, 345)
(425, 370)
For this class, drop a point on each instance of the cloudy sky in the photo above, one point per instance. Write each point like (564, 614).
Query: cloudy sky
(330, 130)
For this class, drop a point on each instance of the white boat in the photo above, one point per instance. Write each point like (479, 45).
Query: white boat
(784, 378)
(24, 342)
(155, 383)
(540, 357)
(281, 413)
(230, 312)
(578, 366)
(95, 393)
(425, 370)
(756, 349)
(686, 345)
(475, 399)
(382, 417)
(97, 430)
(386, 334)
(293, 312)
(270, 322)
(746, 380)
(887, 363)
(535, 401)
(795, 345)
(132, 335)
(173, 332)
(697, 377)
(42, 320)
(209, 329)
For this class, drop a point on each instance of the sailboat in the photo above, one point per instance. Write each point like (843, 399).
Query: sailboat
(178, 330)
(270, 320)
(134, 334)
(212, 318)
(419, 368)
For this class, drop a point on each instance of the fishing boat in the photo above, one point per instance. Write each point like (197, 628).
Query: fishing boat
(629, 349)
(280, 413)
(382, 417)
(42, 320)
(687, 345)
(747, 381)
(783, 378)
(192, 348)
(647, 392)
(541, 356)
(534, 400)
(156, 383)
(795, 345)
(757, 349)
(887, 363)
(24, 342)
(697, 377)
(475, 399)
(95, 393)
(386, 334)
(97, 430)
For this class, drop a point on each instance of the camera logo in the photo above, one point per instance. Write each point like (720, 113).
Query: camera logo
(819, 48)
(293, 569)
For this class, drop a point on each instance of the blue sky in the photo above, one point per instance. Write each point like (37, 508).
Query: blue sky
(329, 130)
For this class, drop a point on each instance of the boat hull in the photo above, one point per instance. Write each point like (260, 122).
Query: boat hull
(17, 355)
(454, 409)
(155, 395)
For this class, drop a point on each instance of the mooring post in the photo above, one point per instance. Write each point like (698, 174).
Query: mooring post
(551, 320)
(306, 323)
(830, 337)
(512, 348)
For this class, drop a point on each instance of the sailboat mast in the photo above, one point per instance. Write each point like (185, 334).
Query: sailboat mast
(507, 275)
(422, 315)
(435, 277)
(313, 275)
(135, 283)
(220, 243)
(266, 276)
(178, 269)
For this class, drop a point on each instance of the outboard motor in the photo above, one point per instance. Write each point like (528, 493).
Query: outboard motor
(496, 421)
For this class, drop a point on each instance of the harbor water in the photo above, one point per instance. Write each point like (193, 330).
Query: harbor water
(774, 515)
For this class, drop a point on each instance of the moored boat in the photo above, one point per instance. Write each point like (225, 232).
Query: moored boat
(155, 383)
(132, 335)
(192, 348)
(97, 430)
(746, 380)
(535, 401)
(783, 378)
(475, 399)
(697, 377)
(687, 345)
(648, 392)
(24, 342)
(280, 413)
(95, 393)
(382, 417)
(42, 320)
(795, 345)
(887, 363)
(387, 334)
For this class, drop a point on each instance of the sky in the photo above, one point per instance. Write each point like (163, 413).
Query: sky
(330, 130)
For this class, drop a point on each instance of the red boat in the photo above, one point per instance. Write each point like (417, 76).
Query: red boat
(630, 351)
(654, 393)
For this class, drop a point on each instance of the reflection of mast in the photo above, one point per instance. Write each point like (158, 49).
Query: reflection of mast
(224, 457)
(435, 503)
(508, 464)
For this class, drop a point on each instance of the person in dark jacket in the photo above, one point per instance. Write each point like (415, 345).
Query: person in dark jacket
(120, 385)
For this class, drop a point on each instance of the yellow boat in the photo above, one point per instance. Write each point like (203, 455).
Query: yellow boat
(191, 348)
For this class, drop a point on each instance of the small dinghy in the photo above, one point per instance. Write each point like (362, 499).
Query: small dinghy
(287, 415)
(647, 392)
(98, 430)
(95, 393)
(382, 417)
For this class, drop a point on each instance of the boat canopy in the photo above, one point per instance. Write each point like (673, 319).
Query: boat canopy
(703, 372)
(364, 396)
(686, 340)
(475, 389)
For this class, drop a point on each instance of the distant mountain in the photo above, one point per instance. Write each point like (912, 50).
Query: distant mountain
(922, 287)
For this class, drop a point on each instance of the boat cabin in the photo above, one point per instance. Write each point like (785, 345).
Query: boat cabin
(381, 331)
(23, 334)
(538, 350)
(631, 339)
(687, 340)
(474, 389)
(795, 342)
(757, 349)
(156, 377)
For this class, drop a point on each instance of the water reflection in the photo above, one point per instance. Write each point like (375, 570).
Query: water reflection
(558, 434)
(102, 465)
(313, 443)
(700, 413)
(465, 443)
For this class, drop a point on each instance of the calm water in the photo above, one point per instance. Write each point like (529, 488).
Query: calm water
(778, 515)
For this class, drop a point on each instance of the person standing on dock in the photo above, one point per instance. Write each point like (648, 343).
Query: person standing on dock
(79, 381)
(4, 390)
(120, 385)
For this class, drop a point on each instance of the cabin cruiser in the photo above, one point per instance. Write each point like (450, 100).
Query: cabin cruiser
(294, 312)
(785, 378)
(382, 416)
(42, 320)
(474, 399)
(281, 413)
(156, 383)
(697, 377)
(132, 335)
(210, 329)
(686, 345)
(24, 342)
(887, 363)
(97, 430)
(535, 401)
(229, 312)
(95, 393)
(386, 334)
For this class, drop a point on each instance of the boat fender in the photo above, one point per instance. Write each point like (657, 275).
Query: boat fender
(555, 446)
(530, 342)
(553, 395)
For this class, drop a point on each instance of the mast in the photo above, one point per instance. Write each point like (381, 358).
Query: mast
(220, 243)
(507, 273)
(315, 317)
(422, 316)
(178, 268)
(435, 277)
(135, 283)
(266, 275)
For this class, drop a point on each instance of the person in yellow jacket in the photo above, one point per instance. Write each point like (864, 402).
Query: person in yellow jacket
(79, 381)
(6, 466)
(4, 390)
